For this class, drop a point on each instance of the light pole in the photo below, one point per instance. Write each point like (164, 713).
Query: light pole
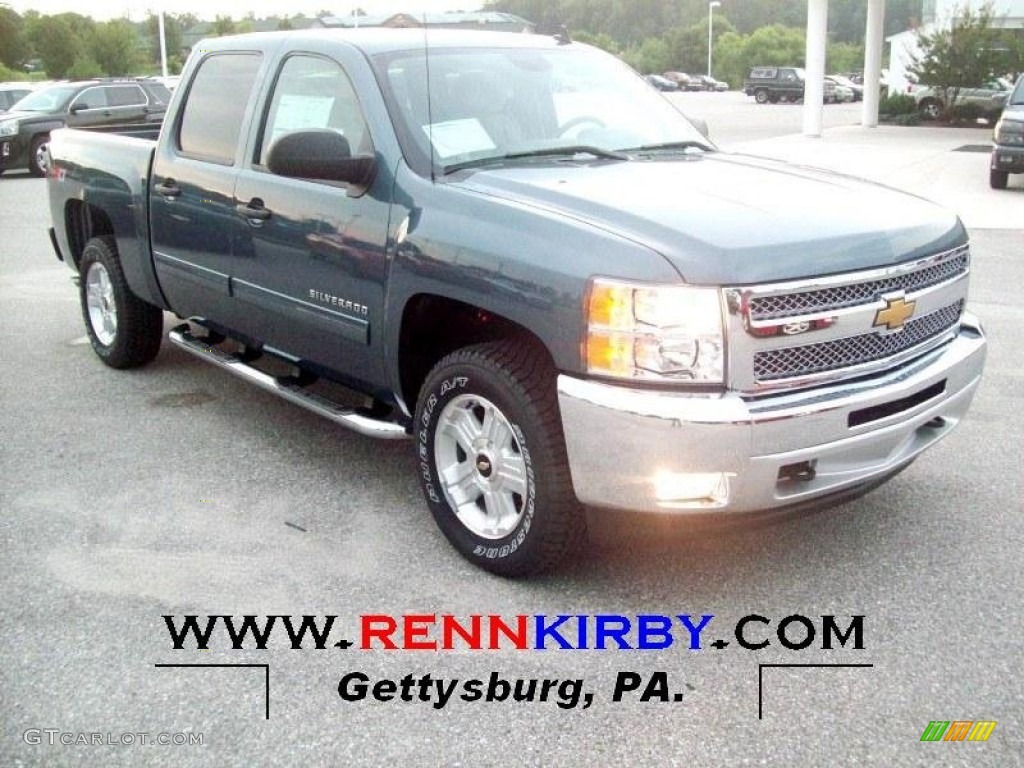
(711, 19)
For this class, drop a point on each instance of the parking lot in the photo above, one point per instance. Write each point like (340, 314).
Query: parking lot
(178, 490)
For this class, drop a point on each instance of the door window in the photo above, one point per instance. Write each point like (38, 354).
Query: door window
(91, 98)
(214, 113)
(313, 93)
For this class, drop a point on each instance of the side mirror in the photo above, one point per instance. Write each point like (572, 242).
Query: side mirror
(320, 154)
(78, 108)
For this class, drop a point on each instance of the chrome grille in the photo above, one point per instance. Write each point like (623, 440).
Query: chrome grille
(791, 362)
(841, 296)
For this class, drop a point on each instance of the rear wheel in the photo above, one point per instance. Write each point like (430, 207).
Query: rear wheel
(930, 109)
(125, 331)
(493, 464)
(761, 96)
(38, 156)
(998, 179)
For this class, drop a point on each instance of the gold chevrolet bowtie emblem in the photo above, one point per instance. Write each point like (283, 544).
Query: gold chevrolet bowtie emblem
(895, 314)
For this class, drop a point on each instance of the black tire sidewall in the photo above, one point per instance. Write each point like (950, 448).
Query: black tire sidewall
(33, 166)
(135, 341)
(512, 553)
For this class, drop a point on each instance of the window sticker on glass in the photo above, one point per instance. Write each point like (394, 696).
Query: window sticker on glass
(459, 137)
(298, 112)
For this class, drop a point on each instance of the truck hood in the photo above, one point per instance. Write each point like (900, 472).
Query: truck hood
(1013, 112)
(723, 219)
(22, 117)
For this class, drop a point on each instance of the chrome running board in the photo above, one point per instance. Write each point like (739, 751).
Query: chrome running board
(295, 393)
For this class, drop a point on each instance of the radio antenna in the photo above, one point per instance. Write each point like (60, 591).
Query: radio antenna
(430, 106)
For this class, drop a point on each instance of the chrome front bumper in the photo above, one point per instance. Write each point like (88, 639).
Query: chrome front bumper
(770, 451)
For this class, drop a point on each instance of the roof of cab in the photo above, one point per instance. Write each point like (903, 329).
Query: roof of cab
(375, 40)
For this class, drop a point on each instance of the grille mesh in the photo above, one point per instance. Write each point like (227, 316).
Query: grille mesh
(839, 297)
(790, 362)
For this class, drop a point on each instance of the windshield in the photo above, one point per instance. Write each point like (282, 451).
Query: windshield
(487, 104)
(46, 100)
(1017, 97)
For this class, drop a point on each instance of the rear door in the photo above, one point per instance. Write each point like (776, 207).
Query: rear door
(310, 255)
(128, 104)
(192, 207)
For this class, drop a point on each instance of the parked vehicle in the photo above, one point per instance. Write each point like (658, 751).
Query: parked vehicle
(856, 89)
(661, 83)
(1008, 137)
(989, 98)
(10, 93)
(679, 78)
(536, 270)
(705, 83)
(775, 84)
(131, 106)
(830, 92)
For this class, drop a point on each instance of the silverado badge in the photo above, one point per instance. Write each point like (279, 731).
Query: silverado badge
(895, 313)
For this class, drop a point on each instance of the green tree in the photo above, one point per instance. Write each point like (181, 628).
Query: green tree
(962, 55)
(652, 55)
(689, 45)
(59, 41)
(601, 40)
(844, 57)
(85, 68)
(14, 46)
(114, 47)
(223, 25)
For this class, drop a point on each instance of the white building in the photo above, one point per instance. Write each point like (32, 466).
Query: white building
(1009, 14)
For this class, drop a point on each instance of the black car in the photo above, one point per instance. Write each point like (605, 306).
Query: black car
(774, 84)
(661, 83)
(113, 106)
(1008, 137)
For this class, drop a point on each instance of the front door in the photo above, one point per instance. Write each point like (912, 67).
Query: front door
(310, 255)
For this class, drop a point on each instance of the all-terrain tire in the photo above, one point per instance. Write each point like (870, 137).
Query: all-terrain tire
(124, 330)
(492, 458)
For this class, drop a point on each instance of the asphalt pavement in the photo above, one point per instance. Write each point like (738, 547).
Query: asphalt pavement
(178, 490)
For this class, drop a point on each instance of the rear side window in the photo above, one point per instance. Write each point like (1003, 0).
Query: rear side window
(214, 110)
(125, 96)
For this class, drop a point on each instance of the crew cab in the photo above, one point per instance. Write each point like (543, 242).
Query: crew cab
(133, 106)
(512, 252)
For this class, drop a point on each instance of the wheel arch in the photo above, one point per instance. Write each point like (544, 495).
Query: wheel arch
(433, 326)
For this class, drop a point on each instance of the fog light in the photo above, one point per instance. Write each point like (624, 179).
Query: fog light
(691, 490)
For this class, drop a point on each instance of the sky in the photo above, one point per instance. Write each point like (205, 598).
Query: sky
(208, 9)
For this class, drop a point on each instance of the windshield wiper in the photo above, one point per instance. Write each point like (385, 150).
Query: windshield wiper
(670, 145)
(569, 151)
(563, 151)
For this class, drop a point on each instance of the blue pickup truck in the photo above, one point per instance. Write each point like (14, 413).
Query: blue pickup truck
(512, 252)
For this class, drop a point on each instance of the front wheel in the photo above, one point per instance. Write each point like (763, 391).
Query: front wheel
(492, 457)
(125, 331)
(38, 155)
(998, 179)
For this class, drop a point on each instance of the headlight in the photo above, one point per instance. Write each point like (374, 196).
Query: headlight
(654, 332)
(1009, 132)
(9, 128)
